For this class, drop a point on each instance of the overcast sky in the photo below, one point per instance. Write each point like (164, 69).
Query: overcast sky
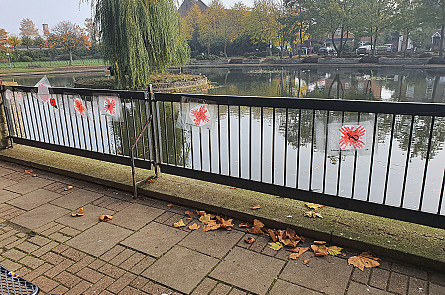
(53, 11)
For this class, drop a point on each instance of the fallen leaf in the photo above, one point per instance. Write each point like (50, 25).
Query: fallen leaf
(200, 213)
(232, 187)
(149, 231)
(297, 252)
(334, 250)
(256, 207)
(105, 217)
(272, 235)
(212, 225)
(227, 224)
(78, 213)
(319, 242)
(313, 214)
(275, 246)
(320, 250)
(188, 218)
(29, 172)
(34, 175)
(180, 223)
(255, 231)
(364, 260)
(194, 226)
(314, 206)
(291, 234)
(289, 242)
(257, 223)
(68, 187)
(190, 213)
(249, 240)
(170, 205)
(243, 224)
(115, 193)
(306, 261)
(205, 218)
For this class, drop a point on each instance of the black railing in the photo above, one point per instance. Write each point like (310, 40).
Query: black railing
(380, 158)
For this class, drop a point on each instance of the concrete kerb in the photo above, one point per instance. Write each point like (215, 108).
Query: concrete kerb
(416, 245)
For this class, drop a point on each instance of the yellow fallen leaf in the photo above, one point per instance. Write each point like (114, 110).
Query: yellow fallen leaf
(313, 214)
(275, 246)
(297, 252)
(205, 218)
(78, 213)
(256, 207)
(314, 206)
(170, 205)
(194, 226)
(306, 261)
(334, 250)
(200, 213)
(68, 187)
(180, 223)
(190, 213)
(105, 217)
(364, 260)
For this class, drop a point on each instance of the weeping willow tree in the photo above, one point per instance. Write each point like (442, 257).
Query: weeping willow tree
(139, 37)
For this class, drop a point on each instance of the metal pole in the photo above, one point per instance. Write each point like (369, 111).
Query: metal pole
(154, 128)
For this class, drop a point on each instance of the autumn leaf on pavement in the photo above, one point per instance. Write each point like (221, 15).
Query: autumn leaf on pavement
(105, 217)
(78, 213)
(255, 231)
(212, 225)
(29, 172)
(297, 252)
(227, 224)
(190, 213)
(194, 226)
(319, 242)
(364, 260)
(291, 234)
(312, 214)
(256, 207)
(320, 250)
(68, 188)
(275, 246)
(200, 213)
(334, 250)
(314, 206)
(257, 223)
(170, 205)
(272, 234)
(306, 261)
(289, 243)
(249, 240)
(180, 223)
(205, 218)
(243, 224)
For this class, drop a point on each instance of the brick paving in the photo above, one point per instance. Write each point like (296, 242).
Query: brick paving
(140, 252)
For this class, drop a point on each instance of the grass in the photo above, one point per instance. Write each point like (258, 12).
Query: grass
(51, 64)
(11, 71)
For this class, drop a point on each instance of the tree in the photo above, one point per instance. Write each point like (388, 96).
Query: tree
(212, 25)
(27, 28)
(433, 12)
(39, 41)
(91, 30)
(406, 19)
(68, 36)
(262, 23)
(14, 41)
(27, 41)
(299, 15)
(3, 38)
(139, 37)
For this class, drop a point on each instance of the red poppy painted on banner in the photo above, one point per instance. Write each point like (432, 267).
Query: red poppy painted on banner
(53, 102)
(200, 115)
(78, 105)
(110, 106)
(352, 137)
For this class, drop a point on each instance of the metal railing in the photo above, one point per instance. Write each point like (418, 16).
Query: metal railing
(381, 158)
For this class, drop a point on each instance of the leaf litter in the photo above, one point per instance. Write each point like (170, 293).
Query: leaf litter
(364, 260)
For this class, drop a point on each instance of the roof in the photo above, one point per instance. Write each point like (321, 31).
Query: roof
(187, 5)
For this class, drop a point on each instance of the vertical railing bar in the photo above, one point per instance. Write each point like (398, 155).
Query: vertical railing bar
(158, 117)
(182, 135)
(8, 116)
(50, 121)
(388, 162)
(273, 146)
(425, 169)
(66, 120)
(82, 119)
(147, 105)
(55, 122)
(88, 126)
(219, 140)
(325, 152)
(45, 115)
(339, 157)
(200, 148)
(210, 151)
(41, 120)
(16, 126)
(285, 146)
(62, 132)
(228, 140)
(35, 115)
(250, 143)
(441, 193)
(108, 132)
(167, 154)
(155, 129)
(191, 147)
(23, 113)
(261, 144)
(35, 134)
(11, 116)
(239, 141)
(101, 128)
(126, 127)
(174, 133)
(143, 137)
(371, 163)
(298, 150)
(77, 125)
(312, 151)
(354, 170)
(134, 126)
(94, 125)
(408, 152)
(72, 124)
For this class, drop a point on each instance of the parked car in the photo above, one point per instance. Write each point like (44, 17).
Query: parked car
(326, 51)
(362, 50)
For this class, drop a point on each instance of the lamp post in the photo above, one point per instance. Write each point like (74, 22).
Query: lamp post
(9, 56)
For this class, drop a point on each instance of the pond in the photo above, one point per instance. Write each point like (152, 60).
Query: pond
(287, 147)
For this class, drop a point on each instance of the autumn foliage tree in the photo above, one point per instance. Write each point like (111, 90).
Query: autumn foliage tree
(3, 38)
(14, 41)
(27, 28)
(69, 37)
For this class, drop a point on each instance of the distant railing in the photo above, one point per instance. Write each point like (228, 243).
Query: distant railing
(381, 158)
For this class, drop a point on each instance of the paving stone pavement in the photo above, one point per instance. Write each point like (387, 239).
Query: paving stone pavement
(140, 252)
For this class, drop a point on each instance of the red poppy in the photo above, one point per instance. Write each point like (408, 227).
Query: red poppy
(78, 105)
(52, 102)
(110, 106)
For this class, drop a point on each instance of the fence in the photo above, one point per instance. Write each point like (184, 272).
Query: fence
(381, 158)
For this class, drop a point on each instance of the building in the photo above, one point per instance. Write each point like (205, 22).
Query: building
(187, 5)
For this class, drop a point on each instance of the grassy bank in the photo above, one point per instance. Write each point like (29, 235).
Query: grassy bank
(49, 64)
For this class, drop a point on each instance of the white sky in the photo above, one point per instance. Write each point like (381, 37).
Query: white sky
(53, 11)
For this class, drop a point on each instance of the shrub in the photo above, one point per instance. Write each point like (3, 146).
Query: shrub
(26, 58)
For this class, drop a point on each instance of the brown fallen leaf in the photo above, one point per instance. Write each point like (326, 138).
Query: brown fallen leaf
(306, 261)
(297, 252)
(364, 260)
(272, 234)
(105, 217)
(180, 223)
(319, 250)
(314, 206)
(232, 187)
(243, 224)
(291, 234)
(170, 205)
(68, 188)
(319, 242)
(249, 240)
(255, 231)
(34, 175)
(227, 224)
(29, 172)
(188, 218)
(289, 242)
(212, 225)
(194, 226)
(190, 213)
(257, 223)
(256, 207)
(205, 218)
(313, 214)
(149, 231)
(115, 193)
(78, 213)
(200, 213)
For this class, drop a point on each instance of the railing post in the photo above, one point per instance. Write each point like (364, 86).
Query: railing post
(4, 131)
(154, 129)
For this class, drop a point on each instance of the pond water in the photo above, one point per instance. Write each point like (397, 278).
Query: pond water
(288, 147)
